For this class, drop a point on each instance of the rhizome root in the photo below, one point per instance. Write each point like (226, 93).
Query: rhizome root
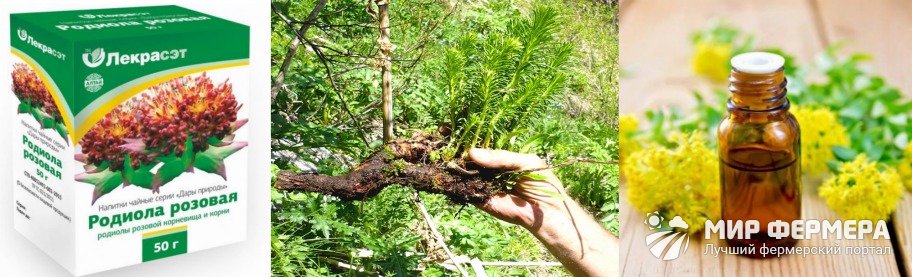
(405, 162)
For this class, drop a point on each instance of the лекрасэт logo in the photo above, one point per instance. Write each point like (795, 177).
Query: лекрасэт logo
(23, 35)
(93, 58)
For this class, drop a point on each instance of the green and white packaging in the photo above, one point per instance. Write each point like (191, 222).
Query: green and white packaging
(129, 133)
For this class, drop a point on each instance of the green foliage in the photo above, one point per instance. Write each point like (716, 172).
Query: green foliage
(720, 31)
(874, 113)
(593, 185)
(705, 117)
(594, 67)
(499, 81)
(312, 233)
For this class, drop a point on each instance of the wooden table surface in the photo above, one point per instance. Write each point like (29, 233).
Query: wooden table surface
(655, 52)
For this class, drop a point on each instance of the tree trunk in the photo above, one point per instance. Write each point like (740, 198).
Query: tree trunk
(386, 47)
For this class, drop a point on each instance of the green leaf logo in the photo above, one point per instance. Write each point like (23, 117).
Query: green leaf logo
(94, 58)
(23, 35)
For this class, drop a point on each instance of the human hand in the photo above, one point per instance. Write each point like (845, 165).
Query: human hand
(531, 198)
(539, 203)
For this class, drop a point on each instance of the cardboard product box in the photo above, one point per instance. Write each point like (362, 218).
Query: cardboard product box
(130, 124)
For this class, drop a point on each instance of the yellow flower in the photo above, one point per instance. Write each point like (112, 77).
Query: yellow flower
(681, 181)
(861, 191)
(628, 126)
(905, 167)
(820, 132)
(710, 59)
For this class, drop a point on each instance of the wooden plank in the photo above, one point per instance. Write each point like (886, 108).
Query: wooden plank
(881, 28)
(655, 44)
(878, 27)
(636, 261)
(902, 224)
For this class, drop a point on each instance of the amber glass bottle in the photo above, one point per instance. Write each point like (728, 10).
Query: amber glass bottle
(759, 149)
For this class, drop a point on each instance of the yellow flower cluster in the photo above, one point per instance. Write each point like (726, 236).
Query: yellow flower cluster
(905, 167)
(628, 126)
(862, 191)
(682, 181)
(820, 132)
(711, 58)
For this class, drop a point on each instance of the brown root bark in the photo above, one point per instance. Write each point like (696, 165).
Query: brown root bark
(403, 162)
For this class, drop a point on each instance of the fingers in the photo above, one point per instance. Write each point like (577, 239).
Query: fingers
(502, 159)
(547, 191)
(506, 160)
(510, 208)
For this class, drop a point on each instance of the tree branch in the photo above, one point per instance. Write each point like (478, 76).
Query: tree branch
(332, 83)
(293, 48)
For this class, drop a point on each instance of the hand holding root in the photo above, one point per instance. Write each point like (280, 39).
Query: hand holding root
(538, 202)
(530, 194)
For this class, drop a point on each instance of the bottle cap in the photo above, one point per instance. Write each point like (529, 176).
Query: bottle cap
(757, 62)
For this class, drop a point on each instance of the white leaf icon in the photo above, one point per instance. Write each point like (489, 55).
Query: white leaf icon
(97, 55)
